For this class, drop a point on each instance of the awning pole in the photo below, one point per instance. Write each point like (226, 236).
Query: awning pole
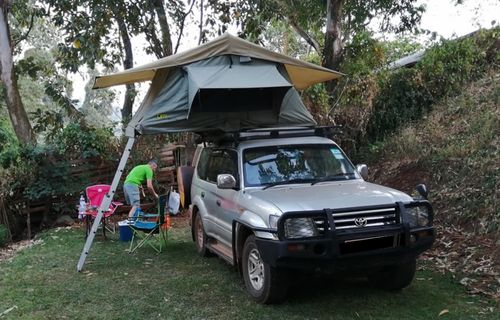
(105, 203)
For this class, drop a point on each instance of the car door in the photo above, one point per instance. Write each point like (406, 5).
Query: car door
(221, 202)
(202, 189)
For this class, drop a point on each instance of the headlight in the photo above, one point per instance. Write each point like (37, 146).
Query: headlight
(417, 216)
(296, 228)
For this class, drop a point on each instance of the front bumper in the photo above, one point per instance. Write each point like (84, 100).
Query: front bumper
(349, 248)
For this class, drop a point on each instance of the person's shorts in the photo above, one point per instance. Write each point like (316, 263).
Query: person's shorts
(132, 195)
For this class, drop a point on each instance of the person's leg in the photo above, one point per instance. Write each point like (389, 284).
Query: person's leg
(133, 198)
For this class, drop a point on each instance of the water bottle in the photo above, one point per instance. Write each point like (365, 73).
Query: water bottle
(81, 208)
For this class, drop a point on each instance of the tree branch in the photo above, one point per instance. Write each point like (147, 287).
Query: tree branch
(23, 37)
(181, 30)
(309, 39)
(201, 22)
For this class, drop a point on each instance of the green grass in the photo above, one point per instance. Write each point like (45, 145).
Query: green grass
(43, 283)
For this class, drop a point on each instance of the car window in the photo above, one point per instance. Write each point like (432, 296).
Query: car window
(221, 161)
(274, 164)
(203, 163)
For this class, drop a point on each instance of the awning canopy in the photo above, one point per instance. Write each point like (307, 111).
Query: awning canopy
(302, 74)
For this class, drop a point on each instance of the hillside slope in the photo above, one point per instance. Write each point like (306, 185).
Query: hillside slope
(454, 150)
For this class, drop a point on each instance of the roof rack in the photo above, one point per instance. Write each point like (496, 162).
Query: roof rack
(220, 137)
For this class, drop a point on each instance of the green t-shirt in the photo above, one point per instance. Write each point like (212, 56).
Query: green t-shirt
(140, 174)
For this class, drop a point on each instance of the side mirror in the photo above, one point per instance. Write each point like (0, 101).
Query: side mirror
(362, 170)
(422, 190)
(226, 181)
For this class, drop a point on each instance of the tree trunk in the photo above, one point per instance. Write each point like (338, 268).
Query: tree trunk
(128, 63)
(18, 116)
(165, 29)
(333, 50)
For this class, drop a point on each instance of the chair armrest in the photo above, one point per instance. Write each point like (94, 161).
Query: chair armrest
(150, 215)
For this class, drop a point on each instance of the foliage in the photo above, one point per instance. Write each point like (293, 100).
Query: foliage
(75, 141)
(450, 64)
(402, 98)
(45, 172)
(363, 55)
(381, 102)
(4, 235)
(457, 147)
(8, 143)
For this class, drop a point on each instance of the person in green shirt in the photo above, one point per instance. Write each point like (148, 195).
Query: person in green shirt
(137, 176)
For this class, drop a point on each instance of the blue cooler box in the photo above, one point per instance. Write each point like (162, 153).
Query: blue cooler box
(125, 231)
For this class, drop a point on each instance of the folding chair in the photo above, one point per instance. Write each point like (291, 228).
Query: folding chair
(145, 227)
(95, 195)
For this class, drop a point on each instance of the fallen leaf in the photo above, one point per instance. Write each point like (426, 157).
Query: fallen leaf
(444, 311)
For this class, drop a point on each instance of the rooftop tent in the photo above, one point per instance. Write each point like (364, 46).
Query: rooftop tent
(227, 93)
(227, 84)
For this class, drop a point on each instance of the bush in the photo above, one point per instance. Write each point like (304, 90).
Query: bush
(403, 98)
(395, 98)
(77, 141)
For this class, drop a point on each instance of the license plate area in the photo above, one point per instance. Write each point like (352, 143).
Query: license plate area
(367, 244)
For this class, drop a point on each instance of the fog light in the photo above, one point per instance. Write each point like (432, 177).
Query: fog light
(296, 247)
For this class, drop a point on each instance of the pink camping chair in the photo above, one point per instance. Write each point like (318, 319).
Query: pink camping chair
(95, 195)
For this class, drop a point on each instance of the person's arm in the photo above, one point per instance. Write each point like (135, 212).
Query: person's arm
(151, 188)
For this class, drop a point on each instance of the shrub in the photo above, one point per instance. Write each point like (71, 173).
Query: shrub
(397, 97)
(402, 98)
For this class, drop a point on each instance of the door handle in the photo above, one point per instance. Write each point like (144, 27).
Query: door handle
(218, 202)
(203, 194)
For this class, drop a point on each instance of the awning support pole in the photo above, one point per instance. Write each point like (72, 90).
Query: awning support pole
(105, 203)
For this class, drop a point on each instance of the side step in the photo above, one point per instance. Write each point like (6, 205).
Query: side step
(221, 250)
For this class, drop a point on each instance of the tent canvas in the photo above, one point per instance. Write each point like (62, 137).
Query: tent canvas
(227, 84)
(226, 93)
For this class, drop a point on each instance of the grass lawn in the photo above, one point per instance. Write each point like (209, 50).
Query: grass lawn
(41, 282)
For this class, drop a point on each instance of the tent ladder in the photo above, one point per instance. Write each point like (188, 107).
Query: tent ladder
(106, 202)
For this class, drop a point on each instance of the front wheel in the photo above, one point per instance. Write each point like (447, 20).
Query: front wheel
(264, 283)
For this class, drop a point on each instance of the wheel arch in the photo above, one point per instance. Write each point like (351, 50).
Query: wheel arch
(194, 212)
(240, 233)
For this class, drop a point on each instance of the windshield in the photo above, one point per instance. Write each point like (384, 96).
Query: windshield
(274, 165)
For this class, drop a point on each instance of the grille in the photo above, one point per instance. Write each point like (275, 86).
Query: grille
(365, 218)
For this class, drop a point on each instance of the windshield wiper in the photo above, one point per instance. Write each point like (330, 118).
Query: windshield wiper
(286, 182)
(332, 177)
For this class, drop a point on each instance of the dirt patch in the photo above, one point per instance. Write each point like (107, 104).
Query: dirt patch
(403, 176)
(11, 249)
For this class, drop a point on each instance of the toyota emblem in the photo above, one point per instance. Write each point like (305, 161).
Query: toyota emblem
(360, 222)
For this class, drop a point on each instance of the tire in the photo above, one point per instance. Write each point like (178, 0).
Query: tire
(265, 284)
(200, 237)
(395, 277)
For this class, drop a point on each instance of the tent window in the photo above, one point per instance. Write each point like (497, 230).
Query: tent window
(238, 100)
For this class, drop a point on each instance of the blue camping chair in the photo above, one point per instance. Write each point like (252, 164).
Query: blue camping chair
(149, 228)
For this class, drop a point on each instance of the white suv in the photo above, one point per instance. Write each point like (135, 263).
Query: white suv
(269, 201)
